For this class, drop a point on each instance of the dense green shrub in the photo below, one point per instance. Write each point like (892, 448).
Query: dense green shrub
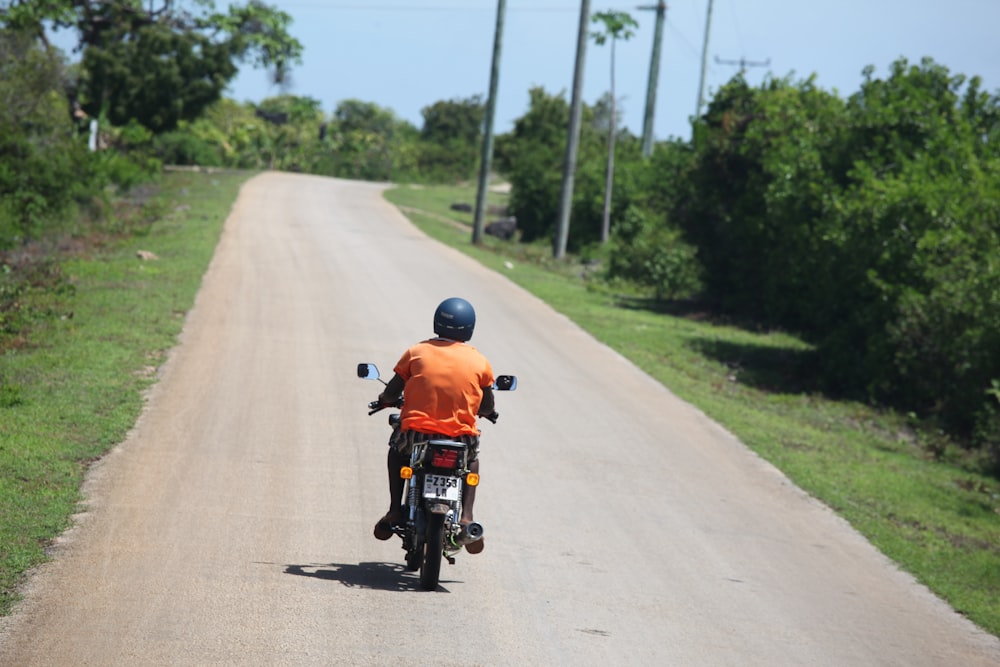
(653, 256)
(183, 148)
(871, 225)
(44, 167)
(38, 184)
(450, 140)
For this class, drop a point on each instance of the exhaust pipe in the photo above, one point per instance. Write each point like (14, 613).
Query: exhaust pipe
(470, 533)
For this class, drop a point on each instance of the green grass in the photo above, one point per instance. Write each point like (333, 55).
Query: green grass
(73, 386)
(936, 519)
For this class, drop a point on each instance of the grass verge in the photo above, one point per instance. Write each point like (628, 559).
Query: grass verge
(934, 518)
(72, 387)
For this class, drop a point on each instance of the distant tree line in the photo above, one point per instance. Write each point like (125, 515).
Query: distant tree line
(869, 225)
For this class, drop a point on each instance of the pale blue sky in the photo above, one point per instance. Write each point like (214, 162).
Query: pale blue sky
(408, 54)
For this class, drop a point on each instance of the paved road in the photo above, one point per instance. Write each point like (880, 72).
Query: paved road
(233, 527)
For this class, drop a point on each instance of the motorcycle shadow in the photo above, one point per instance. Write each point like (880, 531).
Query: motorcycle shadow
(375, 576)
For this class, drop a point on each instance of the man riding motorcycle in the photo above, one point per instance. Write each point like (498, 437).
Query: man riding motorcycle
(445, 384)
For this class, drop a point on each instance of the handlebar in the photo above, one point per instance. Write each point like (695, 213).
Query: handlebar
(378, 406)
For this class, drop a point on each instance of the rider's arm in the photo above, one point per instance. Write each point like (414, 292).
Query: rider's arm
(486, 407)
(393, 390)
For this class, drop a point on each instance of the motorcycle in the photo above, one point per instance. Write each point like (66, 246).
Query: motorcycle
(435, 480)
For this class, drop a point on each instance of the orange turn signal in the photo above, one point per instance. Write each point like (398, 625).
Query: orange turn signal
(472, 479)
(406, 472)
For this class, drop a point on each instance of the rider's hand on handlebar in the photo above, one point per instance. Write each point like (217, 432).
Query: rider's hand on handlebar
(383, 402)
(493, 416)
(378, 404)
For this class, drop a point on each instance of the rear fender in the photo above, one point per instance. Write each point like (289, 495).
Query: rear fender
(438, 508)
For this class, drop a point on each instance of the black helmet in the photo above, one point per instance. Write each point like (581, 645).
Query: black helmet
(455, 319)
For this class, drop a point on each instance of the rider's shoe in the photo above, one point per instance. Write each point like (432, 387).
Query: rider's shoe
(475, 547)
(383, 529)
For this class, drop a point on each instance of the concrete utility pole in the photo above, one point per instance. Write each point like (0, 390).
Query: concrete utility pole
(486, 158)
(704, 61)
(573, 138)
(654, 77)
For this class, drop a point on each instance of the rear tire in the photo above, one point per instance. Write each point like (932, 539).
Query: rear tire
(430, 570)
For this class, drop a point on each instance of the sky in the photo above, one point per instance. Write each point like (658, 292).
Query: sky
(408, 54)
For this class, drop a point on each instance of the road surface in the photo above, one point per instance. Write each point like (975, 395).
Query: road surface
(233, 527)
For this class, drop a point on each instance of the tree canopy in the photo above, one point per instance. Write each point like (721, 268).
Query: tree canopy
(162, 62)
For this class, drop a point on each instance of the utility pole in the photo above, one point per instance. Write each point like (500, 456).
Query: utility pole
(487, 154)
(573, 138)
(704, 62)
(654, 77)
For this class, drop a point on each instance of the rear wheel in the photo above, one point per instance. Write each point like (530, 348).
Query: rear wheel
(430, 570)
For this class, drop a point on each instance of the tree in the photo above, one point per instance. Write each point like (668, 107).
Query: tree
(458, 120)
(531, 155)
(450, 137)
(154, 62)
(293, 124)
(44, 169)
(870, 226)
(616, 25)
(370, 142)
(919, 223)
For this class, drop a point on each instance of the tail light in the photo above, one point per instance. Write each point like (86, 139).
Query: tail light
(444, 458)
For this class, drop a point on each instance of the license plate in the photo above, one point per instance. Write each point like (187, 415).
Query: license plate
(442, 487)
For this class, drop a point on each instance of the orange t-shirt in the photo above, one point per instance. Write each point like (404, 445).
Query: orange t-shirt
(444, 387)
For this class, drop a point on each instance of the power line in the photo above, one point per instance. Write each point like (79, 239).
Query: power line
(683, 38)
(412, 8)
(736, 25)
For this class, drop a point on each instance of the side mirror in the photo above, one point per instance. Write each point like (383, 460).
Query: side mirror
(368, 372)
(505, 383)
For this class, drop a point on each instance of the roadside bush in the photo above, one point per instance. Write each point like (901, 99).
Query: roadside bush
(44, 166)
(534, 197)
(654, 257)
(38, 185)
(450, 139)
(919, 235)
(871, 226)
(184, 148)
(450, 162)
